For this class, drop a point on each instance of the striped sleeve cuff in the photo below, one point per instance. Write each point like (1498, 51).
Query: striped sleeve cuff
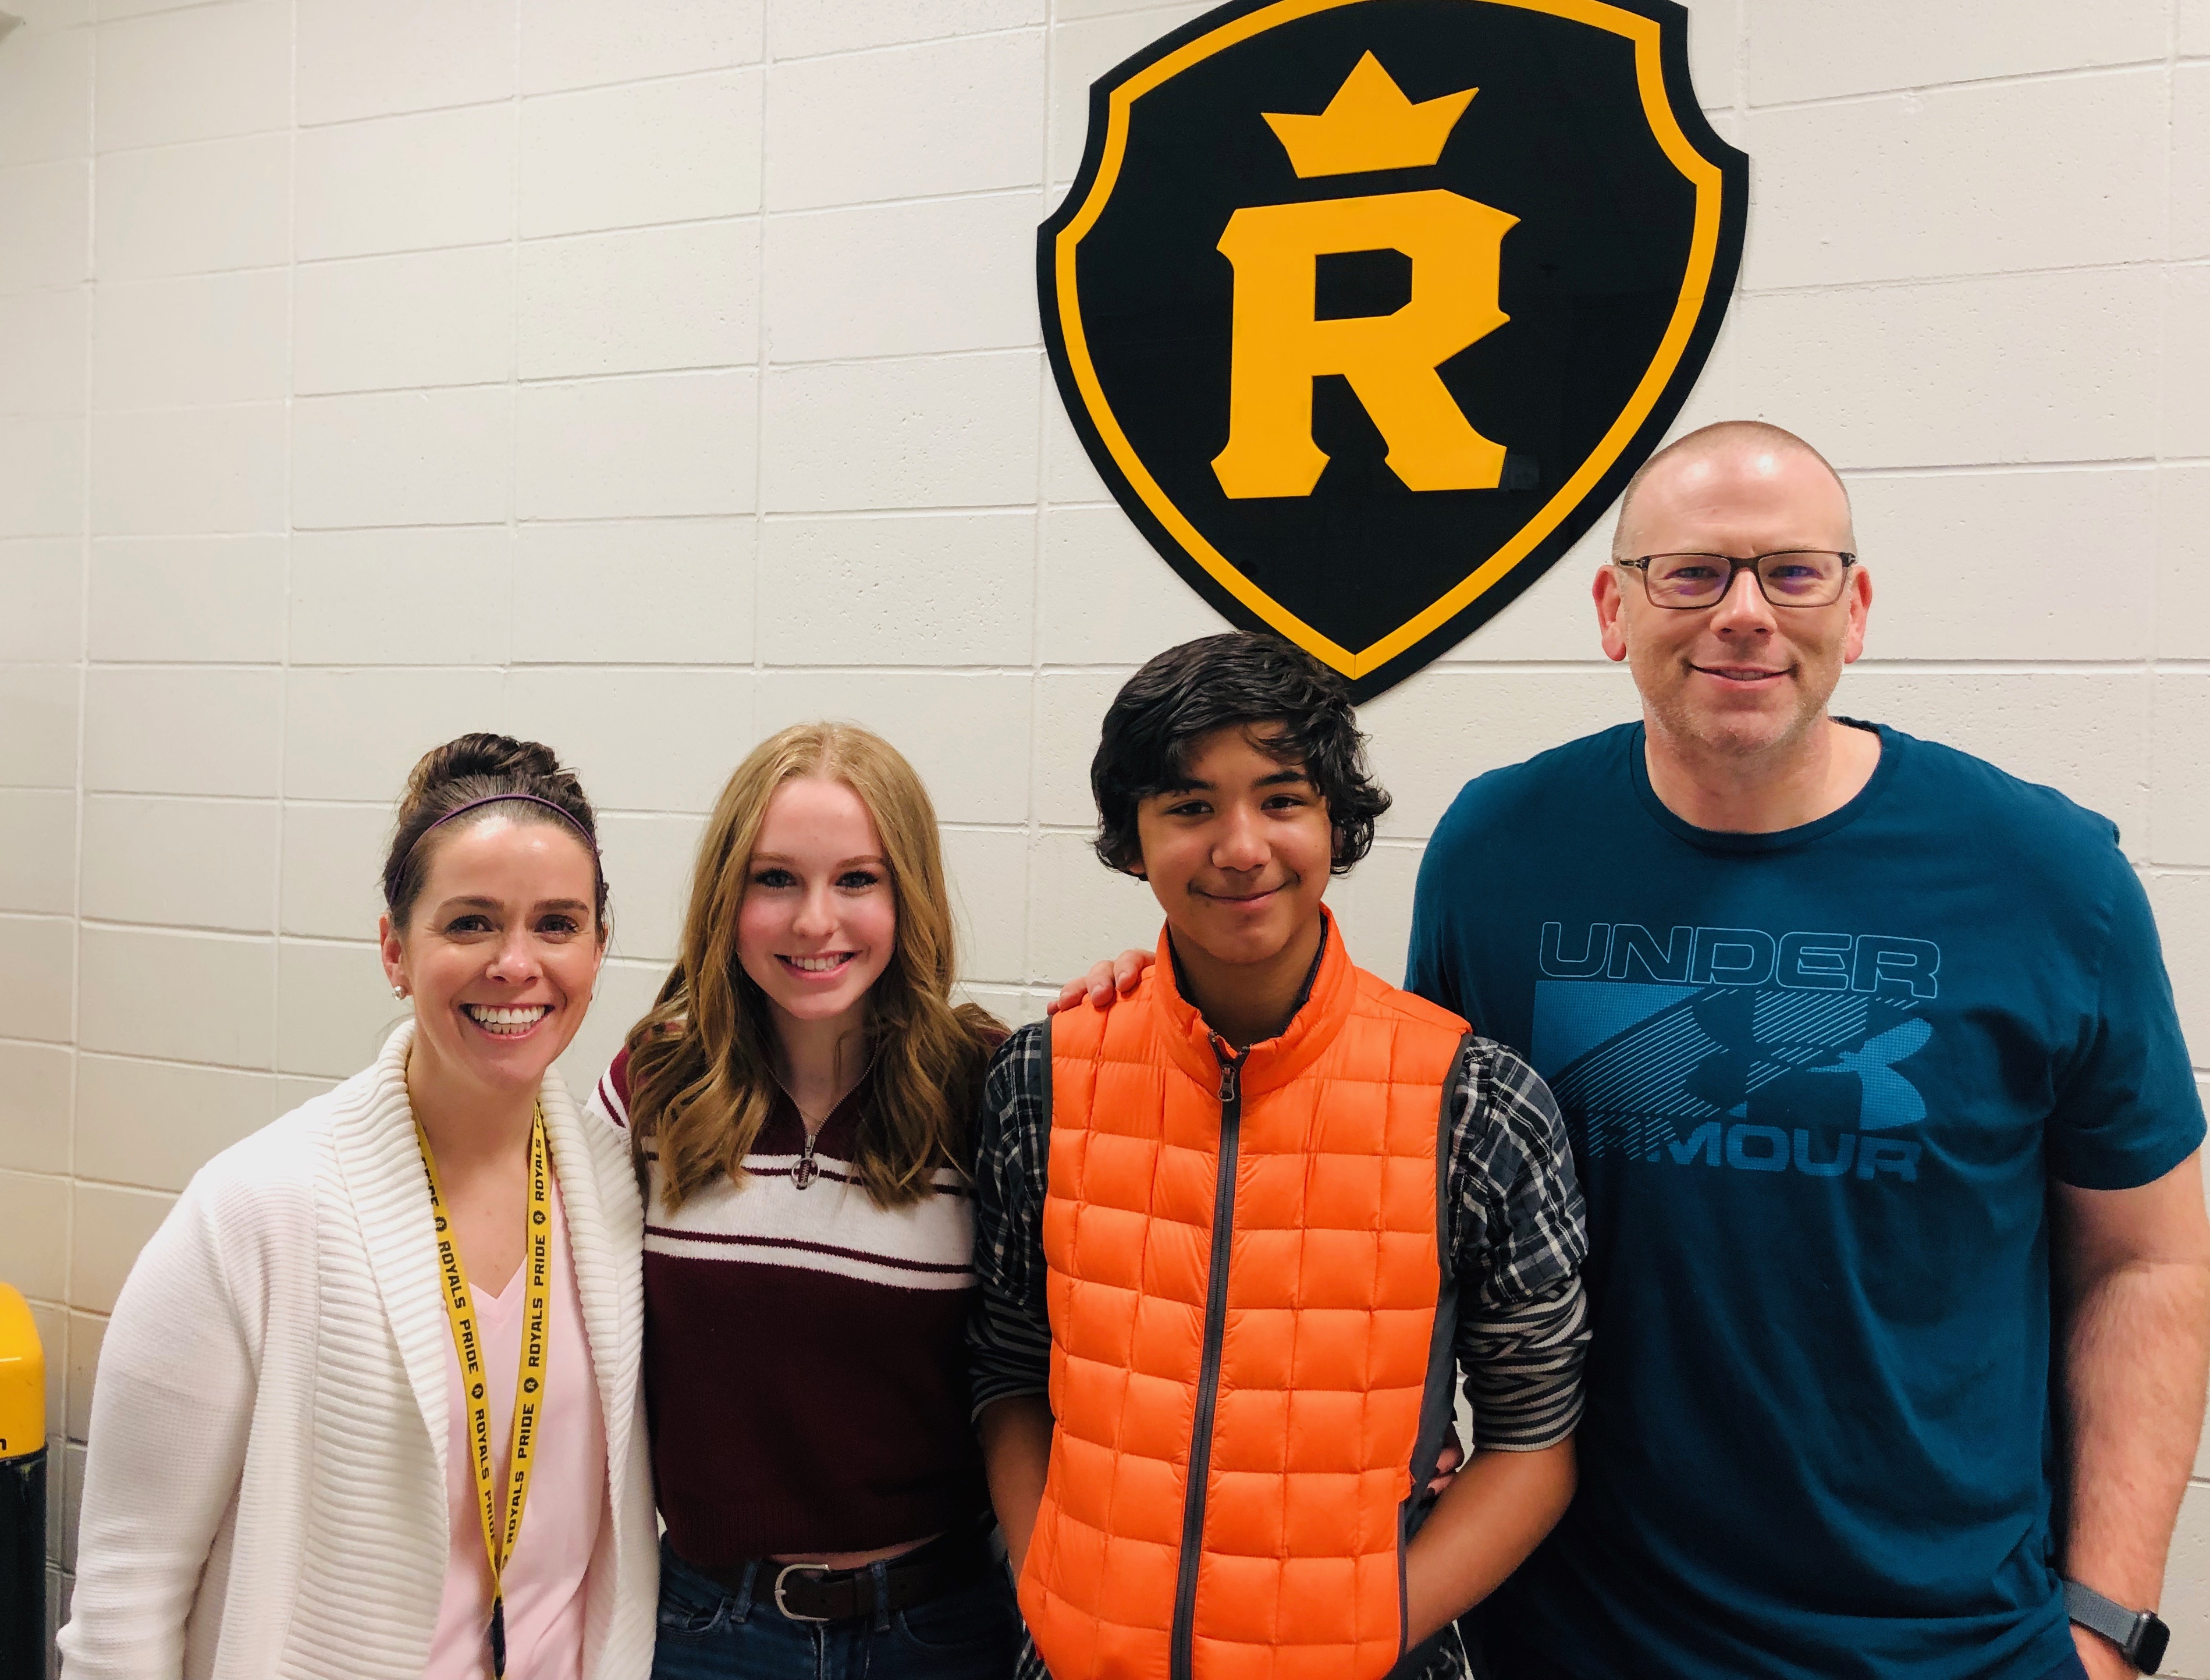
(1009, 1326)
(1523, 1366)
(1008, 1352)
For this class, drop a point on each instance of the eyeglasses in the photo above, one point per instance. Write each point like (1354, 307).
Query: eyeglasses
(1790, 578)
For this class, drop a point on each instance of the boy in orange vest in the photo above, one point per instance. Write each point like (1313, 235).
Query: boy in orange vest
(1235, 1235)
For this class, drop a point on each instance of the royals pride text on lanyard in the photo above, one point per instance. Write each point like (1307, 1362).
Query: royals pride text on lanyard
(499, 1535)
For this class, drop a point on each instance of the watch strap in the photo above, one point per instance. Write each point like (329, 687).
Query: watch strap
(2137, 1633)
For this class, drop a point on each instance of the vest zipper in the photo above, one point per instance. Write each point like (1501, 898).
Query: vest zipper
(1208, 1375)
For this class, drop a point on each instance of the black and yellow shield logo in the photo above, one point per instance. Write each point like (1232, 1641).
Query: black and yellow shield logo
(1368, 309)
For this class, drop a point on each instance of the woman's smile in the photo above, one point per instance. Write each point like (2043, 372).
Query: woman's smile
(507, 1020)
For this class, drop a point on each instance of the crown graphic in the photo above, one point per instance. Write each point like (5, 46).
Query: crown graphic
(1369, 124)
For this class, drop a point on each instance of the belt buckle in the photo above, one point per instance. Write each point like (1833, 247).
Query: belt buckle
(783, 1575)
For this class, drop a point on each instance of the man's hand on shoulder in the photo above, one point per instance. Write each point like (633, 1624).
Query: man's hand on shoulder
(1107, 982)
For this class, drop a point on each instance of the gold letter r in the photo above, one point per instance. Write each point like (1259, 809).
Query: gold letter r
(1278, 348)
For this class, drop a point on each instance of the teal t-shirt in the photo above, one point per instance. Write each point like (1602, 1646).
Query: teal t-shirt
(1817, 1084)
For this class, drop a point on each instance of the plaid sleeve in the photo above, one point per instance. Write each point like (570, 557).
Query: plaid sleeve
(1009, 1328)
(1028, 1665)
(1517, 1239)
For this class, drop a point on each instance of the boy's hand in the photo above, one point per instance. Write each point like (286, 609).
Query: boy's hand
(1497, 1510)
(1107, 983)
(1448, 1463)
(1016, 1436)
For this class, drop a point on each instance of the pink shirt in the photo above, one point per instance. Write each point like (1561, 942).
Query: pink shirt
(562, 1523)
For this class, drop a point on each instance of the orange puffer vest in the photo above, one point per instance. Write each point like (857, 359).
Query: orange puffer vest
(1251, 1348)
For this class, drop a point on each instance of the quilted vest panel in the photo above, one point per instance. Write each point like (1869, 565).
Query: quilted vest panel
(1327, 1347)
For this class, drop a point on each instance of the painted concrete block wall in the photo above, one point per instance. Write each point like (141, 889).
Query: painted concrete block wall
(643, 377)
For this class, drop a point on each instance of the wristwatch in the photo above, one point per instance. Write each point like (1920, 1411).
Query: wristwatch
(2140, 1635)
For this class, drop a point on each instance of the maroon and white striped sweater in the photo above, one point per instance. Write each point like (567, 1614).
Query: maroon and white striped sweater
(805, 1361)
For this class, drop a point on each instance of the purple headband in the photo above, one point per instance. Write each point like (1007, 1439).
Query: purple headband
(495, 798)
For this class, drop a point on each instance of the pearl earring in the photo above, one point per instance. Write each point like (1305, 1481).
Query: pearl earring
(399, 992)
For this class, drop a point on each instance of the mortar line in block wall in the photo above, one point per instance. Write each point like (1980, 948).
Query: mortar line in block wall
(330, 126)
(1047, 395)
(2150, 665)
(631, 375)
(1925, 282)
(1741, 81)
(948, 196)
(588, 522)
(2118, 463)
(267, 799)
(135, 1186)
(2171, 56)
(225, 931)
(291, 414)
(653, 79)
(1030, 346)
(196, 142)
(21, 1041)
(390, 253)
(582, 235)
(2026, 668)
(780, 516)
(786, 516)
(877, 49)
(137, 1059)
(1967, 83)
(933, 510)
(794, 212)
(758, 626)
(507, 721)
(703, 370)
(243, 1070)
(90, 287)
(102, 924)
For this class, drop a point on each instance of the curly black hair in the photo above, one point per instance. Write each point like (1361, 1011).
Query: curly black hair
(1291, 706)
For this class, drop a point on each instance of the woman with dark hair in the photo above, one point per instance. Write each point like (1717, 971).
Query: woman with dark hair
(367, 1406)
(800, 1096)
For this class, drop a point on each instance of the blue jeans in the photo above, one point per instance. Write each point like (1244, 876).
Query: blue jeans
(708, 1632)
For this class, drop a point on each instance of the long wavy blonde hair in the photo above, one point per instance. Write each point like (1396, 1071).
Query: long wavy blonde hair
(702, 1069)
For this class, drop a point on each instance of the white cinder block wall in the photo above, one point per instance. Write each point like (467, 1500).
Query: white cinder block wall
(645, 377)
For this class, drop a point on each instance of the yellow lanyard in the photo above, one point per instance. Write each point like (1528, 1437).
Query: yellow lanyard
(529, 1378)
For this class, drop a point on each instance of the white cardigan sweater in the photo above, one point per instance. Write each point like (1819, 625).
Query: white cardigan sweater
(265, 1494)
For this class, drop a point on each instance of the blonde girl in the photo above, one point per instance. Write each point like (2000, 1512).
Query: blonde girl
(800, 1098)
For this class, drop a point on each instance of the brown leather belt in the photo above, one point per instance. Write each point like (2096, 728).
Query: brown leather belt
(814, 1592)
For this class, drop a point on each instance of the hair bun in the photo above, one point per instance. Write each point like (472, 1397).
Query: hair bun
(468, 758)
(474, 770)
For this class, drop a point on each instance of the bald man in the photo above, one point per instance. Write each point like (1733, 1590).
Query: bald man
(1858, 1040)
